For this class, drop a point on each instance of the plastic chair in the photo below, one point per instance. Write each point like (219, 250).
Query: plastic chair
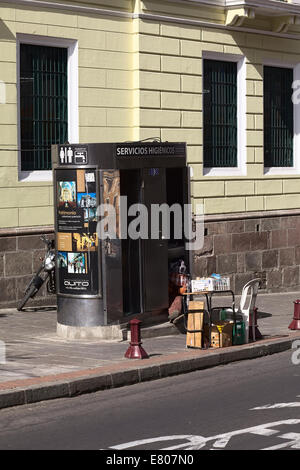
(247, 303)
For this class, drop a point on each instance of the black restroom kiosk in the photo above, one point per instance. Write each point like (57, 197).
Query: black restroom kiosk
(103, 282)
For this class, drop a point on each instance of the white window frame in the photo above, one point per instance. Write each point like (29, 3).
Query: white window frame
(241, 168)
(295, 169)
(73, 113)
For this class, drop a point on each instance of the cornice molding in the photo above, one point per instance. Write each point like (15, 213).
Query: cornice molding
(281, 24)
(272, 5)
(275, 6)
(68, 7)
(250, 215)
(237, 11)
(203, 24)
(24, 231)
(285, 8)
(237, 16)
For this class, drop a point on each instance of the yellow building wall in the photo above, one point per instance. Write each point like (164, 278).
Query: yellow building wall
(105, 94)
(141, 79)
(171, 91)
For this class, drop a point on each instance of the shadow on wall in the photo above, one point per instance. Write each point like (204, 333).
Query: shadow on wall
(5, 33)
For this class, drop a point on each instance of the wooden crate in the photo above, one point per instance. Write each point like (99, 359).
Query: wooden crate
(195, 320)
(221, 337)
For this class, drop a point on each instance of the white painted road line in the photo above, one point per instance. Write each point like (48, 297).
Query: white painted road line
(277, 405)
(220, 440)
(294, 443)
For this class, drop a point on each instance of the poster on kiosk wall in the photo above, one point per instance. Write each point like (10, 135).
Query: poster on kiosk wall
(76, 223)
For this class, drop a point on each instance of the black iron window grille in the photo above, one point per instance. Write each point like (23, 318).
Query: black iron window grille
(220, 113)
(43, 103)
(278, 117)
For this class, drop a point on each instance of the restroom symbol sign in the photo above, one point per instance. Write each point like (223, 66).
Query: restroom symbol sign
(66, 155)
(73, 156)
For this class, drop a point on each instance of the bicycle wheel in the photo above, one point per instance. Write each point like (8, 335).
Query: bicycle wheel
(30, 293)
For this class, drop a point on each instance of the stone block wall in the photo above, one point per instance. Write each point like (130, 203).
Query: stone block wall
(19, 259)
(264, 247)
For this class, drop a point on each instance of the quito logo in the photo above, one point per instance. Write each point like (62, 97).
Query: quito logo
(79, 284)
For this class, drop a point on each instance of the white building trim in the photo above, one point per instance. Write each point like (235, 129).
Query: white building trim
(271, 6)
(67, 6)
(241, 169)
(295, 169)
(274, 7)
(73, 98)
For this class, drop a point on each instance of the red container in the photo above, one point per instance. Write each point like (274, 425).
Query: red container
(135, 350)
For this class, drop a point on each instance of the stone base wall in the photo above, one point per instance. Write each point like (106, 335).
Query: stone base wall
(245, 248)
(19, 260)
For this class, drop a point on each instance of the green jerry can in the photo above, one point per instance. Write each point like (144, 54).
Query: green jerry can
(239, 333)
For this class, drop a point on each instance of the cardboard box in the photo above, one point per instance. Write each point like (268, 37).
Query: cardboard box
(195, 319)
(221, 334)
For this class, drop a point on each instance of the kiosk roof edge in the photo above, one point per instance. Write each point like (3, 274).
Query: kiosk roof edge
(121, 155)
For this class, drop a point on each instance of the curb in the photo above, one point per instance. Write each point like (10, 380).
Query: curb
(83, 382)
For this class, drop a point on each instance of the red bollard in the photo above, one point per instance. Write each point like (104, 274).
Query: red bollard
(295, 325)
(135, 350)
(256, 334)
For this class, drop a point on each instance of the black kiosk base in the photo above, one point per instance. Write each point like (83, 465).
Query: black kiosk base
(106, 273)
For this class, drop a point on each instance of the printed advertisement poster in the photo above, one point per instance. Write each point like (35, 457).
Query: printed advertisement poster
(69, 217)
(77, 240)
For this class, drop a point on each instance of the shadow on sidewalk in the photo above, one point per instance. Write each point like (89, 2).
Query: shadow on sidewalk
(38, 309)
(263, 314)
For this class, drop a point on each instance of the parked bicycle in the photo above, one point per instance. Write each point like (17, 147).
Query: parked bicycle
(45, 273)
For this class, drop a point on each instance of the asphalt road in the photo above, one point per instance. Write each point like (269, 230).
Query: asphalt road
(210, 409)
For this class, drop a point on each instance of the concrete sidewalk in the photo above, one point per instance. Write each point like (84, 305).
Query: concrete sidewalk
(41, 366)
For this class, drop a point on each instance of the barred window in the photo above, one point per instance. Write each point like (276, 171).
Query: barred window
(220, 113)
(43, 103)
(278, 117)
